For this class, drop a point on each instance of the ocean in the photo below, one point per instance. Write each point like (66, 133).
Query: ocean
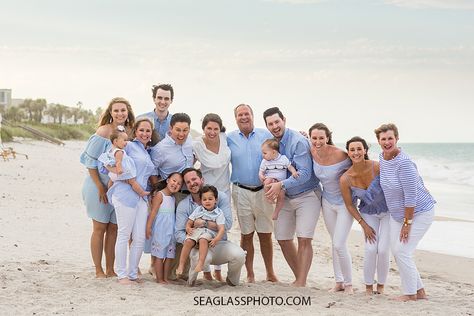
(447, 170)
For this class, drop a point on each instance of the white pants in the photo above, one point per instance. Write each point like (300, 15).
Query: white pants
(338, 223)
(403, 252)
(224, 252)
(377, 254)
(130, 221)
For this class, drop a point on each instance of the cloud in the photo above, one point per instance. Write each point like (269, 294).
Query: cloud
(434, 4)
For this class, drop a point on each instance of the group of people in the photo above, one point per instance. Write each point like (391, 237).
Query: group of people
(147, 195)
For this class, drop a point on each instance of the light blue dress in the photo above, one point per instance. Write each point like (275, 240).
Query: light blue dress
(108, 159)
(372, 200)
(163, 243)
(96, 210)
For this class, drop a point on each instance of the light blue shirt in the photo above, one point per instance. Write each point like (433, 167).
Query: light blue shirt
(121, 190)
(297, 149)
(161, 127)
(246, 155)
(187, 206)
(216, 215)
(170, 157)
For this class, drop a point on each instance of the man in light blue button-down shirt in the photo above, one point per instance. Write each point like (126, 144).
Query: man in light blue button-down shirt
(302, 204)
(163, 95)
(253, 210)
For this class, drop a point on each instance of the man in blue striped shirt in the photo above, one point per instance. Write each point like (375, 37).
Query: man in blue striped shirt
(302, 204)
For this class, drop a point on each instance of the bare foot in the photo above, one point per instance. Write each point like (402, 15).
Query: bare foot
(111, 274)
(199, 267)
(421, 294)
(162, 281)
(100, 275)
(297, 284)
(137, 281)
(125, 281)
(348, 289)
(337, 288)
(208, 276)
(369, 290)
(380, 289)
(152, 271)
(404, 298)
(250, 279)
(218, 275)
(272, 278)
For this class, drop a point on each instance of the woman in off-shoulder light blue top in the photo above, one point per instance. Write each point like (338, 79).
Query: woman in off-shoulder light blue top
(94, 190)
(329, 163)
(360, 184)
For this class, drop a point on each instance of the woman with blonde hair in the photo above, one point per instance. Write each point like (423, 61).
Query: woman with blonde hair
(94, 190)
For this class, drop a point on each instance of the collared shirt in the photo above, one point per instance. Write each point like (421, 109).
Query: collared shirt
(187, 206)
(297, 149)
(215, 215)
(145, 168)
(246, 155)
(161, 127)
(170, 157)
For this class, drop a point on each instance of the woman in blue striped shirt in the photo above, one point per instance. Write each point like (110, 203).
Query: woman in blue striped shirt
(410, 205)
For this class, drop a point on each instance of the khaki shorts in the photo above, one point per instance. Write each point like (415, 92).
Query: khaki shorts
(253, 211)
(299, 215)
(201, 233)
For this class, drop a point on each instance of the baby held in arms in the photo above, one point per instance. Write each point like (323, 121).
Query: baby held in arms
(206, 236)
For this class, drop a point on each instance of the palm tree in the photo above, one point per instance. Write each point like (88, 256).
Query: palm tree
(28, 106)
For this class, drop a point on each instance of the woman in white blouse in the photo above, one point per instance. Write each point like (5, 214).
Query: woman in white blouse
(212, 152)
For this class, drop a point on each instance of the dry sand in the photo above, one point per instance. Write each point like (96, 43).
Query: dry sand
(46, 268)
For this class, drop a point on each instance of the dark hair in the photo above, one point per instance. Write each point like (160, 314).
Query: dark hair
(272, 143)
(356, 139)
(163, 86)
(272, 111)
(191, 169)
(208, 188)
(106, 116)
(321, 126)
(241, 105)
(163, 183)
(385, 128)
(155, 138)
(180, 117)
(212, 117)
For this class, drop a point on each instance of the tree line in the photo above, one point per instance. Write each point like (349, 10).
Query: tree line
(35, 110)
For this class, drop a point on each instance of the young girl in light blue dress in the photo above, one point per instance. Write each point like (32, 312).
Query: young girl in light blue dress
(118, 164)
(161, 229)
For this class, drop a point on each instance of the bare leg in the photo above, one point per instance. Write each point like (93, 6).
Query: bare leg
(97, 247)
(218, 275)
(203, 247)
(207, 276)
(187, 247)
(152, 266)
(265, 185)
(109, 249)
(289, 252)
(305, 257)
(159, 269)
(266, 247)
(166, 269)
(246, 242)
(279, 204)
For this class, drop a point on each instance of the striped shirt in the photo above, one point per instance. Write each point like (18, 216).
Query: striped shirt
(403, 186)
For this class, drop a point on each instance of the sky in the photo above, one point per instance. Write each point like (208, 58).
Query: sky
(352, 64)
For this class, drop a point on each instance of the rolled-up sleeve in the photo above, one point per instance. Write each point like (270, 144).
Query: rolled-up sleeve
(302, 162)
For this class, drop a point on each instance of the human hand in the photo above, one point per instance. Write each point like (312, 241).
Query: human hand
(404, 233)
(369, 233)
(295, 174)
(119, 170)
(103, 194)
(214, 242)
(189, 231)
(273, 190)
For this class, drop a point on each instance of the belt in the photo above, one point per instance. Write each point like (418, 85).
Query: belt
(253, 189)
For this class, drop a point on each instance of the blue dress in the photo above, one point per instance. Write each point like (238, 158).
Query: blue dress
(163, 243)
(98, 211)
(108, 159)
(372, 200)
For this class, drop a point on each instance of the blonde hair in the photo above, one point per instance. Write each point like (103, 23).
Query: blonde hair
(106, 117)
(385, 128)
(272, 143)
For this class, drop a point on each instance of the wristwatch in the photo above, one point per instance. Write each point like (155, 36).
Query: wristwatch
(205, 224)
(283, 186)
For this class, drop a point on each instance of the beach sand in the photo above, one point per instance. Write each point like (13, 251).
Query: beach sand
(46, 267)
